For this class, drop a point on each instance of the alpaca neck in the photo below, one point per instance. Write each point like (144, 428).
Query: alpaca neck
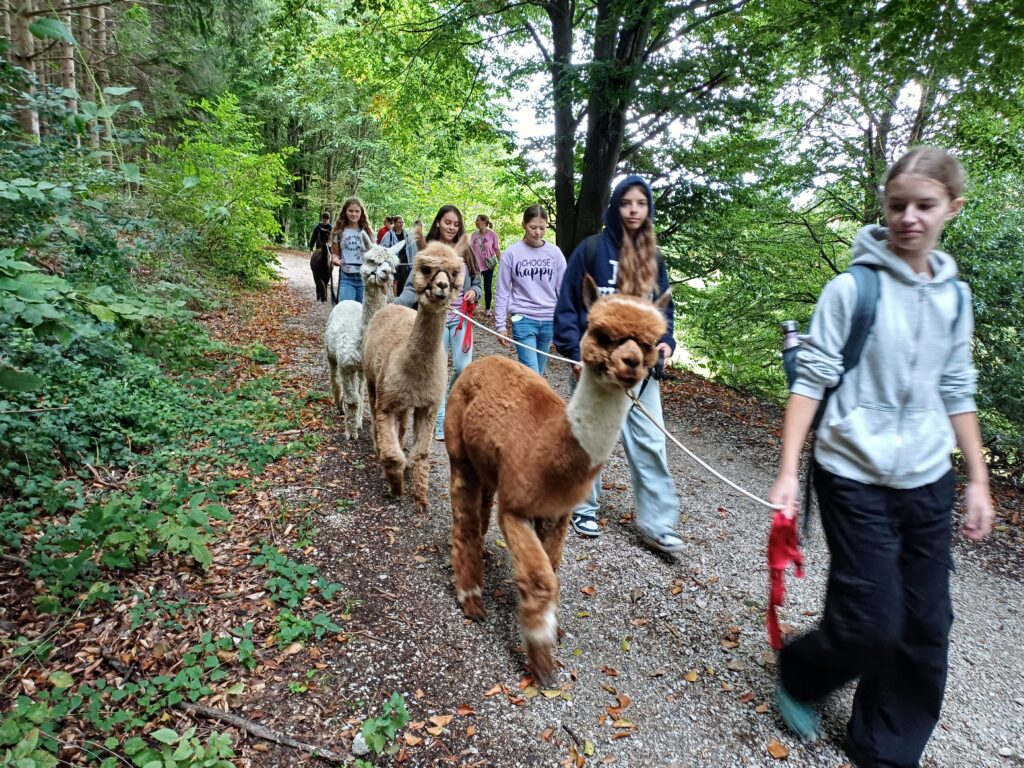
(374, 298)
(428, 328)
(596, 413)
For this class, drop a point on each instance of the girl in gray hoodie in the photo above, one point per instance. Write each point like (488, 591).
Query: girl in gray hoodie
(883, 474)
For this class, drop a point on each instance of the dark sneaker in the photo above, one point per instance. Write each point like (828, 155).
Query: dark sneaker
(585, 525)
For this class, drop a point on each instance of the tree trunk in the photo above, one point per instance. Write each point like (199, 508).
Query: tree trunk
(24, 46)
(617, 54)
(560, 14)
(67, 64)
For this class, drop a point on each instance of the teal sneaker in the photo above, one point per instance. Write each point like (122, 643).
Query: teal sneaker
(800, 718)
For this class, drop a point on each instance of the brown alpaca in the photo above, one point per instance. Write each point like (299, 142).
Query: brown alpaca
(406, 368)
(507, 431)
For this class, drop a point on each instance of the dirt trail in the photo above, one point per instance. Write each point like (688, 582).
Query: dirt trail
(676, 647)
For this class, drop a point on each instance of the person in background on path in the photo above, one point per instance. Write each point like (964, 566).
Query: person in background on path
(485, 246)
(625, 259)
(883, 475)
(320, 260)
(529, 277)
(321, 232)
(350, 239)
(395, 235)
(388, 223)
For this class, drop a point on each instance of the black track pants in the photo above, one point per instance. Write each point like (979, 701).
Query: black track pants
(887, 614)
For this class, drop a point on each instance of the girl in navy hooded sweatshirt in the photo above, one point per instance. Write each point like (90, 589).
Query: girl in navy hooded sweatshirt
(624, 258)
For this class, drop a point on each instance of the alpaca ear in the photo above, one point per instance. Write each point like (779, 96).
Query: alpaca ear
(367, 241)
(589, 290)
(662, 301)
(396, 249)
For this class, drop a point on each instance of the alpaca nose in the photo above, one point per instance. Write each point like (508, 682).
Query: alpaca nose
(631, 361)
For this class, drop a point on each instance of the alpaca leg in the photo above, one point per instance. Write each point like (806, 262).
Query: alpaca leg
(360, 399)
(467, 539)
(335, 386)
(486, 504)
(551, 532)
(538, 593)
(392, 460)
(371, 400)
(353, 391)
(403, 427)
(422, 431)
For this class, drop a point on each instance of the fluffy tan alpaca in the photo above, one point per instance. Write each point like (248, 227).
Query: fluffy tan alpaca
(406, 368)
(507, 431)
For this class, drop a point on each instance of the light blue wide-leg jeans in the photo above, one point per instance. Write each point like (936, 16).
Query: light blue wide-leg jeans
(452, 340)
(657, 505)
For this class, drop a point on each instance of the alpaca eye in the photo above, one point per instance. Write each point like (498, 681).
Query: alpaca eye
(601, 338)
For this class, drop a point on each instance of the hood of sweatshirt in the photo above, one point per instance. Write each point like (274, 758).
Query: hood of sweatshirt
(612, 217)
(870, 247)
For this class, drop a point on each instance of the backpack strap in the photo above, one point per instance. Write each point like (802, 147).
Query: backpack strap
(864, 311)
(959, 301)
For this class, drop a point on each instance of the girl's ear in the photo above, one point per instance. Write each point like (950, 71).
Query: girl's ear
(955, 206)
(589, 292)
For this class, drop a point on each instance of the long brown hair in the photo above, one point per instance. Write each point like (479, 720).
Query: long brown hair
(461, 244)
(638, 258)
(342, 221)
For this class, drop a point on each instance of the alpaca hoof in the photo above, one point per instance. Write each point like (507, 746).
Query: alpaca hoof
(559, 633)
(397, 487)
(421, 507)
(473, 607)
(542, 663)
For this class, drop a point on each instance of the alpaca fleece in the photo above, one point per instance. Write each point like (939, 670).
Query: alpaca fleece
(509, 434)
(406, 368)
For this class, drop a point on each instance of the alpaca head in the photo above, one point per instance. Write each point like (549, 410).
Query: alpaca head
(379, 264)
(622, 333)
(437, 274)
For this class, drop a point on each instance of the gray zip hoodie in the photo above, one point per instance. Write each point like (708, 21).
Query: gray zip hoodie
(888, 424)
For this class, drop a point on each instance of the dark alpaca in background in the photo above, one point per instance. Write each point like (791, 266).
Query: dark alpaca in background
(320, 264)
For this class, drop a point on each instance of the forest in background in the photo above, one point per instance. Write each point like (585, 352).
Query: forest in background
(180, 138)
(152, 153)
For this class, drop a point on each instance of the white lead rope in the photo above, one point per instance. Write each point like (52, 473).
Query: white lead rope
(639, 406)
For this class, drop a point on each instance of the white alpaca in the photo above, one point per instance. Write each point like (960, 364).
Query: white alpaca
(344, 335)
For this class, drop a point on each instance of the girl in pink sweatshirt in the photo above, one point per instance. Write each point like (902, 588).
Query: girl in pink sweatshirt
(529, 277)
(486, 249)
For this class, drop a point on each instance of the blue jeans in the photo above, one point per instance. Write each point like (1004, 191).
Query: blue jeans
(350, 287)
(452, 340)
(536, 333)
(657, 506)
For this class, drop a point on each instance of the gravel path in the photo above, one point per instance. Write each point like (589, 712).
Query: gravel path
(680, 642)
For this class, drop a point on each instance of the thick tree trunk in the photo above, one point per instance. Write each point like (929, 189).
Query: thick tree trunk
(24, 47)
(619, 47)
(560, 14)
(5, 24)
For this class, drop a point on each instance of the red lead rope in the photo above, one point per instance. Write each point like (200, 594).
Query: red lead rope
(783, 549)
(467, 308)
